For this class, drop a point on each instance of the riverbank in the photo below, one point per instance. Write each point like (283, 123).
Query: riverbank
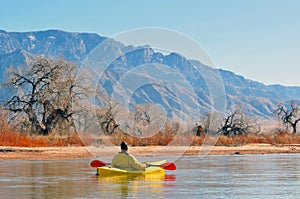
(49, 153)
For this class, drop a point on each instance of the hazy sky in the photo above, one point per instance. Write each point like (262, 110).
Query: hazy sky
(259, 39)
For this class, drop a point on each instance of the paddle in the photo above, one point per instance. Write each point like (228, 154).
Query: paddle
(166, 166)
(98, 163)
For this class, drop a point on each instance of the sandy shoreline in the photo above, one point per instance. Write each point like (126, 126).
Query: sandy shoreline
(49, 153)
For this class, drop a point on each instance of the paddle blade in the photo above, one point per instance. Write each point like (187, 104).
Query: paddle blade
(97, 163)
(168, 166)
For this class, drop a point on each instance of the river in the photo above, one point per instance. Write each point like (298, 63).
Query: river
(224, 176)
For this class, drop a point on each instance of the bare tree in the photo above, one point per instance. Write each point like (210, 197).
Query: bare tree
(289, 117)
(208, 123)
(142, 114)
(107, 113)
(148, 119)
(237, 123)
(145, 120)
(46, 93)
(106, 118)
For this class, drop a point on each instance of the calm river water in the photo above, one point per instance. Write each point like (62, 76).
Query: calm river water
(226, 176)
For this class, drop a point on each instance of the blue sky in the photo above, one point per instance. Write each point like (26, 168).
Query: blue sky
(259, 39)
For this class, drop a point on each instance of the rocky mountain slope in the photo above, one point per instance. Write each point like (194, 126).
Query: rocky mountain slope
(256, 99)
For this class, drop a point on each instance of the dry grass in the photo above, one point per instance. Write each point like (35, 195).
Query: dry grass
(165, 139)
(13, 138)
(157, 139)
(274, 139)
(10, 137)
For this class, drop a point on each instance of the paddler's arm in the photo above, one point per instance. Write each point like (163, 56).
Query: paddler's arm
(136, 164)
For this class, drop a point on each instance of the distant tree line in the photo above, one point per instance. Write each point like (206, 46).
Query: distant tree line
(233, 124)
(236, 123)
(47, 91)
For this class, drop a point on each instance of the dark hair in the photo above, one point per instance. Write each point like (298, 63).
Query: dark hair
(124, 146)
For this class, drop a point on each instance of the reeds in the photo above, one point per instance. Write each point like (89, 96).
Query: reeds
(161, 139)
(11, 137)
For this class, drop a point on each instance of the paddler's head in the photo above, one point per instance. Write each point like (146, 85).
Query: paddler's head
(124, 146)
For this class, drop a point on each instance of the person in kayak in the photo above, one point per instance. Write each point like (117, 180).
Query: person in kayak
(126, 161)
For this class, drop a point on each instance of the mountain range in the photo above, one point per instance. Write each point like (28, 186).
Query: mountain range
(255, 98)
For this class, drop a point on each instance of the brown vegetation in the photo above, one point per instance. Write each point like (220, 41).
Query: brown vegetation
(13, 138)
(163, 139)
(274, 139)
(9, 136)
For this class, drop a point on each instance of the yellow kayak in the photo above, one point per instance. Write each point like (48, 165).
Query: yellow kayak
(109, 171)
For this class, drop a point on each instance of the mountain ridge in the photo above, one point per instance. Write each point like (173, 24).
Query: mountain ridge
(256, 98)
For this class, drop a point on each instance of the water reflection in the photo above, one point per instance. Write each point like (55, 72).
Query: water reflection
(238, 176)
(43, 179)
(132, 186)
(243, 176)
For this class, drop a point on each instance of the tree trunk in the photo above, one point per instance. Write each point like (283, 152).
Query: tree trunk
(34, 121)
(294, 126)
